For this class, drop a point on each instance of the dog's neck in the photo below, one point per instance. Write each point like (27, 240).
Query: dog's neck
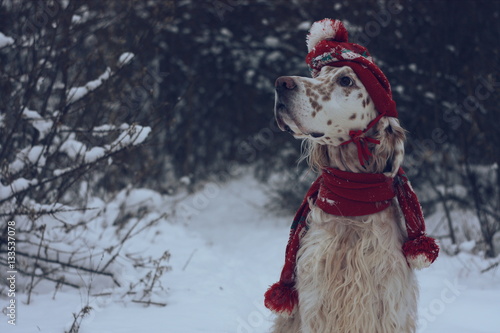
(386, 156)
(346, 158)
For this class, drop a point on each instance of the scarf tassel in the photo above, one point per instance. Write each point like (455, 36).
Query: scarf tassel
(420, 250)
(282, 298)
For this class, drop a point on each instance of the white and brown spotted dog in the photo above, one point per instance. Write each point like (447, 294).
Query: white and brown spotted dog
(360, 230)
(351, 273)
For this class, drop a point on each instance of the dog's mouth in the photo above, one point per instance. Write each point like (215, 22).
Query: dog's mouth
(288, 124)
(284, 120)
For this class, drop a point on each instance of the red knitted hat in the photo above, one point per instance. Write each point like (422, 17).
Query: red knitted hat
(328, 46)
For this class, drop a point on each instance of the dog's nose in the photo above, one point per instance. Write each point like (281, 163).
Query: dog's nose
(285, 83)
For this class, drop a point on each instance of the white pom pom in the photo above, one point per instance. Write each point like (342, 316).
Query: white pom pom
(419, 261)
(321, 30)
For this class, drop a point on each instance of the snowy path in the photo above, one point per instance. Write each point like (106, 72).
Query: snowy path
(225, 257)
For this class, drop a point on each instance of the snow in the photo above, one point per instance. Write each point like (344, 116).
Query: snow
(17, 185)
(274, 56)
(5, 40)
(400, 89)
(185, 180)
(125, 58)
(72, 147)
(42, 125)
(226, 249)
(76, 19)
(21, 184)
(103, 130)
(36, 154)
(136, 199)
(59, 172)
(451, 48)
(329, 201)
(28, 155)
(131, 135)
(226, 32)
(94, 154)
(467, 246)
(304, 25)
(430, 95)
(77, 93)
(272, 41)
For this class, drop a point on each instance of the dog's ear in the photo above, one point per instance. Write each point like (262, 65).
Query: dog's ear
(388, 155)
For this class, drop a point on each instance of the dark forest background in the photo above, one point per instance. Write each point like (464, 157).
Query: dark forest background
(204, 72)
(202, 77)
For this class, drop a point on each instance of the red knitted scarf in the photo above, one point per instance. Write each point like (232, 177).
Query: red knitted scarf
(344, 193)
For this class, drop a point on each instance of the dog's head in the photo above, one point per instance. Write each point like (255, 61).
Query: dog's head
(324, 109)
(345, 111)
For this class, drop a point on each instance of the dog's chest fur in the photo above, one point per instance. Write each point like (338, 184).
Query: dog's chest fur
(350, 268)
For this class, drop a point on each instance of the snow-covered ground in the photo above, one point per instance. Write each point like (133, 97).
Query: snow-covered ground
(226, 249)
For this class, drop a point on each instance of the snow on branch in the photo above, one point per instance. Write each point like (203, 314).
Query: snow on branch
(42, 125)
(77, 93)
(16, 186)
(125, 58)
(131, 136)
(5, 41)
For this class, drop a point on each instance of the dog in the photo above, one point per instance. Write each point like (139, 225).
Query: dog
(349, 272)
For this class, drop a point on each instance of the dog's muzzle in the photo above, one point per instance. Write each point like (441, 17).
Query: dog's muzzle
(284, 86)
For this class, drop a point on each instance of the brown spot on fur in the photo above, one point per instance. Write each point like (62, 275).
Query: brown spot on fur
(314, 104)
(313, 114)
(347, 92)
(325, 86)
(328, 95)
(362, 116)
(360, 95)
(339, 131)
(366, 101)
(341, 140)
(353, 116)
(329, 122)
(328, 138)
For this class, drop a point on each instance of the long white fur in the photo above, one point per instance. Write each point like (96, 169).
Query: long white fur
(352, 276)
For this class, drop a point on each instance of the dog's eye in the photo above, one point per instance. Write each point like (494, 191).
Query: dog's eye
(345, 81)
